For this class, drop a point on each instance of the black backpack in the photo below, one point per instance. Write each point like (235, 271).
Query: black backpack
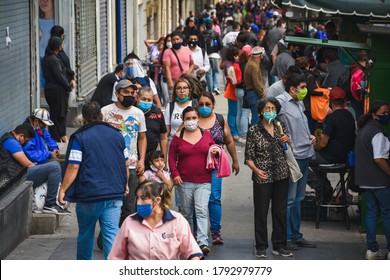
(344, 82)
(212, 42)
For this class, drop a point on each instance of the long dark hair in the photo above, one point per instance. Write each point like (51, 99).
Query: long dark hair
(375, 106)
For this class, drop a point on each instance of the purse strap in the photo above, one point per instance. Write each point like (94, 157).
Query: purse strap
(178, 60)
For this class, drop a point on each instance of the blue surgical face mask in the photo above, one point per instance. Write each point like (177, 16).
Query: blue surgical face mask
(205, 111)
(130, 71)
(144, 210)
(182, 100)
(145, 106)
(177, 45)
(384, 119)
(269, 116)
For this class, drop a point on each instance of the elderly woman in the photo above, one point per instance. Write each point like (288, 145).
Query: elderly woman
(187, 159)
(156, 133)
(264, 155)
(217, 125)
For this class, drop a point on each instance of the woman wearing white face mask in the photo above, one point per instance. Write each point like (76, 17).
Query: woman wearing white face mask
(187, 160)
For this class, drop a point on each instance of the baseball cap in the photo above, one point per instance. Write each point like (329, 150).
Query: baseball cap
(124, 84)
(247, 49)
(256, 51)
(337, 93)
(43, 115)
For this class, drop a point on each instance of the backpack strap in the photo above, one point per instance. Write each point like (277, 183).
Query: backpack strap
(171, 106)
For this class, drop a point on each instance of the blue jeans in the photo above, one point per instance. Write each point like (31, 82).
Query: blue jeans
(242, 119)
(212, 76)
(252, 98)
(49, 172)
(296, 193)
(215, 207)
(377, 198)
(108, 214)
(232, 116)
(196, 195)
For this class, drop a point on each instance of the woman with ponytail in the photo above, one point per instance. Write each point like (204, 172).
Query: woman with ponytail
(372, 173)
(154, 232)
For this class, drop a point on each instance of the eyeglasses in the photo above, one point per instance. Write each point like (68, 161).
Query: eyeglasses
(182, 88)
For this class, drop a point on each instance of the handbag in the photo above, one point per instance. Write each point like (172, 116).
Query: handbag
(295, 171)
(319, 105)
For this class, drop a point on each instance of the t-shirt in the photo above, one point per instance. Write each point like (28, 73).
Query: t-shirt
(340, 127)
(185, 57)
(151, 175)
(130, 122)
(175, 120)
(76, 154)
(156, 125)
(12, 146)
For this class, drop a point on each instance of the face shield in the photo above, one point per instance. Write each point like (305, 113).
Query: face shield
(133, 68)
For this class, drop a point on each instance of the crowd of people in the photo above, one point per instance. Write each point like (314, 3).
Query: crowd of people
(150, 134)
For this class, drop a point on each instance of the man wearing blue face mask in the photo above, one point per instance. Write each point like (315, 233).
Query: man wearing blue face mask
(177, 61)
(156, 130)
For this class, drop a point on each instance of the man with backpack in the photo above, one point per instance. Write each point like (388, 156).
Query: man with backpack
(212, 44)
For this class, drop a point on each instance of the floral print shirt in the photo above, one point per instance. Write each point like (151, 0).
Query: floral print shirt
(267, 153)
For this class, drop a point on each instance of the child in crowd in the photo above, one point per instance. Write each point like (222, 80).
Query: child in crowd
(156, 172)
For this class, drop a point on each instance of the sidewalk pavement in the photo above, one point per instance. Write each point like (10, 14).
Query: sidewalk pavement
(334, 241)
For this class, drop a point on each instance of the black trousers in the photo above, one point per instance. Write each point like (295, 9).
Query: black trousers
(262, 195)
(57, 99)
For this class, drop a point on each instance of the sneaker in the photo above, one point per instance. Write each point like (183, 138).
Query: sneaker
(55, 209)
(205, 249)
(216, 91)
(291, 246)
(282, 252)
(378, 255)
(217, 239)
(260, 253)
(242, 140)
(304, 243)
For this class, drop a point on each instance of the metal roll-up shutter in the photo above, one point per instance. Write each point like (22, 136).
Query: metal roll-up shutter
(124, 29)
(86, 47)
(15, 64)
(103, 38)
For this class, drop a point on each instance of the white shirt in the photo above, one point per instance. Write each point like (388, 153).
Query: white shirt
(230, 37)
(202, 62)
(130, 122)
(175, 120)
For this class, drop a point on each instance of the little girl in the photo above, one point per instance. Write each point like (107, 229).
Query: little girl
(156, 172)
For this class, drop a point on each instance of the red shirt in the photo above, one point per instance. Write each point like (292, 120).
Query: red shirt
(189, 160)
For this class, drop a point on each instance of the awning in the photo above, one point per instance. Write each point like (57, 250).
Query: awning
(368, 8)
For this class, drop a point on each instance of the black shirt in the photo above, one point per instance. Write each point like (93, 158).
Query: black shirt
(340, 127)
(155, 125)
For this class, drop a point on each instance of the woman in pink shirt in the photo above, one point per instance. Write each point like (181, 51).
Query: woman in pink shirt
(187, 160)
(154, 232)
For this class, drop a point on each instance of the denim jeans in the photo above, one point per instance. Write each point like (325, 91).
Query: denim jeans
(252, 98)
(215, 207)
(242, 120)
(49, 172)
(296, 193)
(212, 75)
(196, 195)
(108, 214)
(377, 199)
(164, 92)
(232, 116)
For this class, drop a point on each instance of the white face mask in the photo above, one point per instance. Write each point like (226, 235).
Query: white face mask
(169, 45)
(191, 125)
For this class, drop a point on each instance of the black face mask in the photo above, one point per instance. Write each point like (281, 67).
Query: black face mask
(193, 43)
(127, 101)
